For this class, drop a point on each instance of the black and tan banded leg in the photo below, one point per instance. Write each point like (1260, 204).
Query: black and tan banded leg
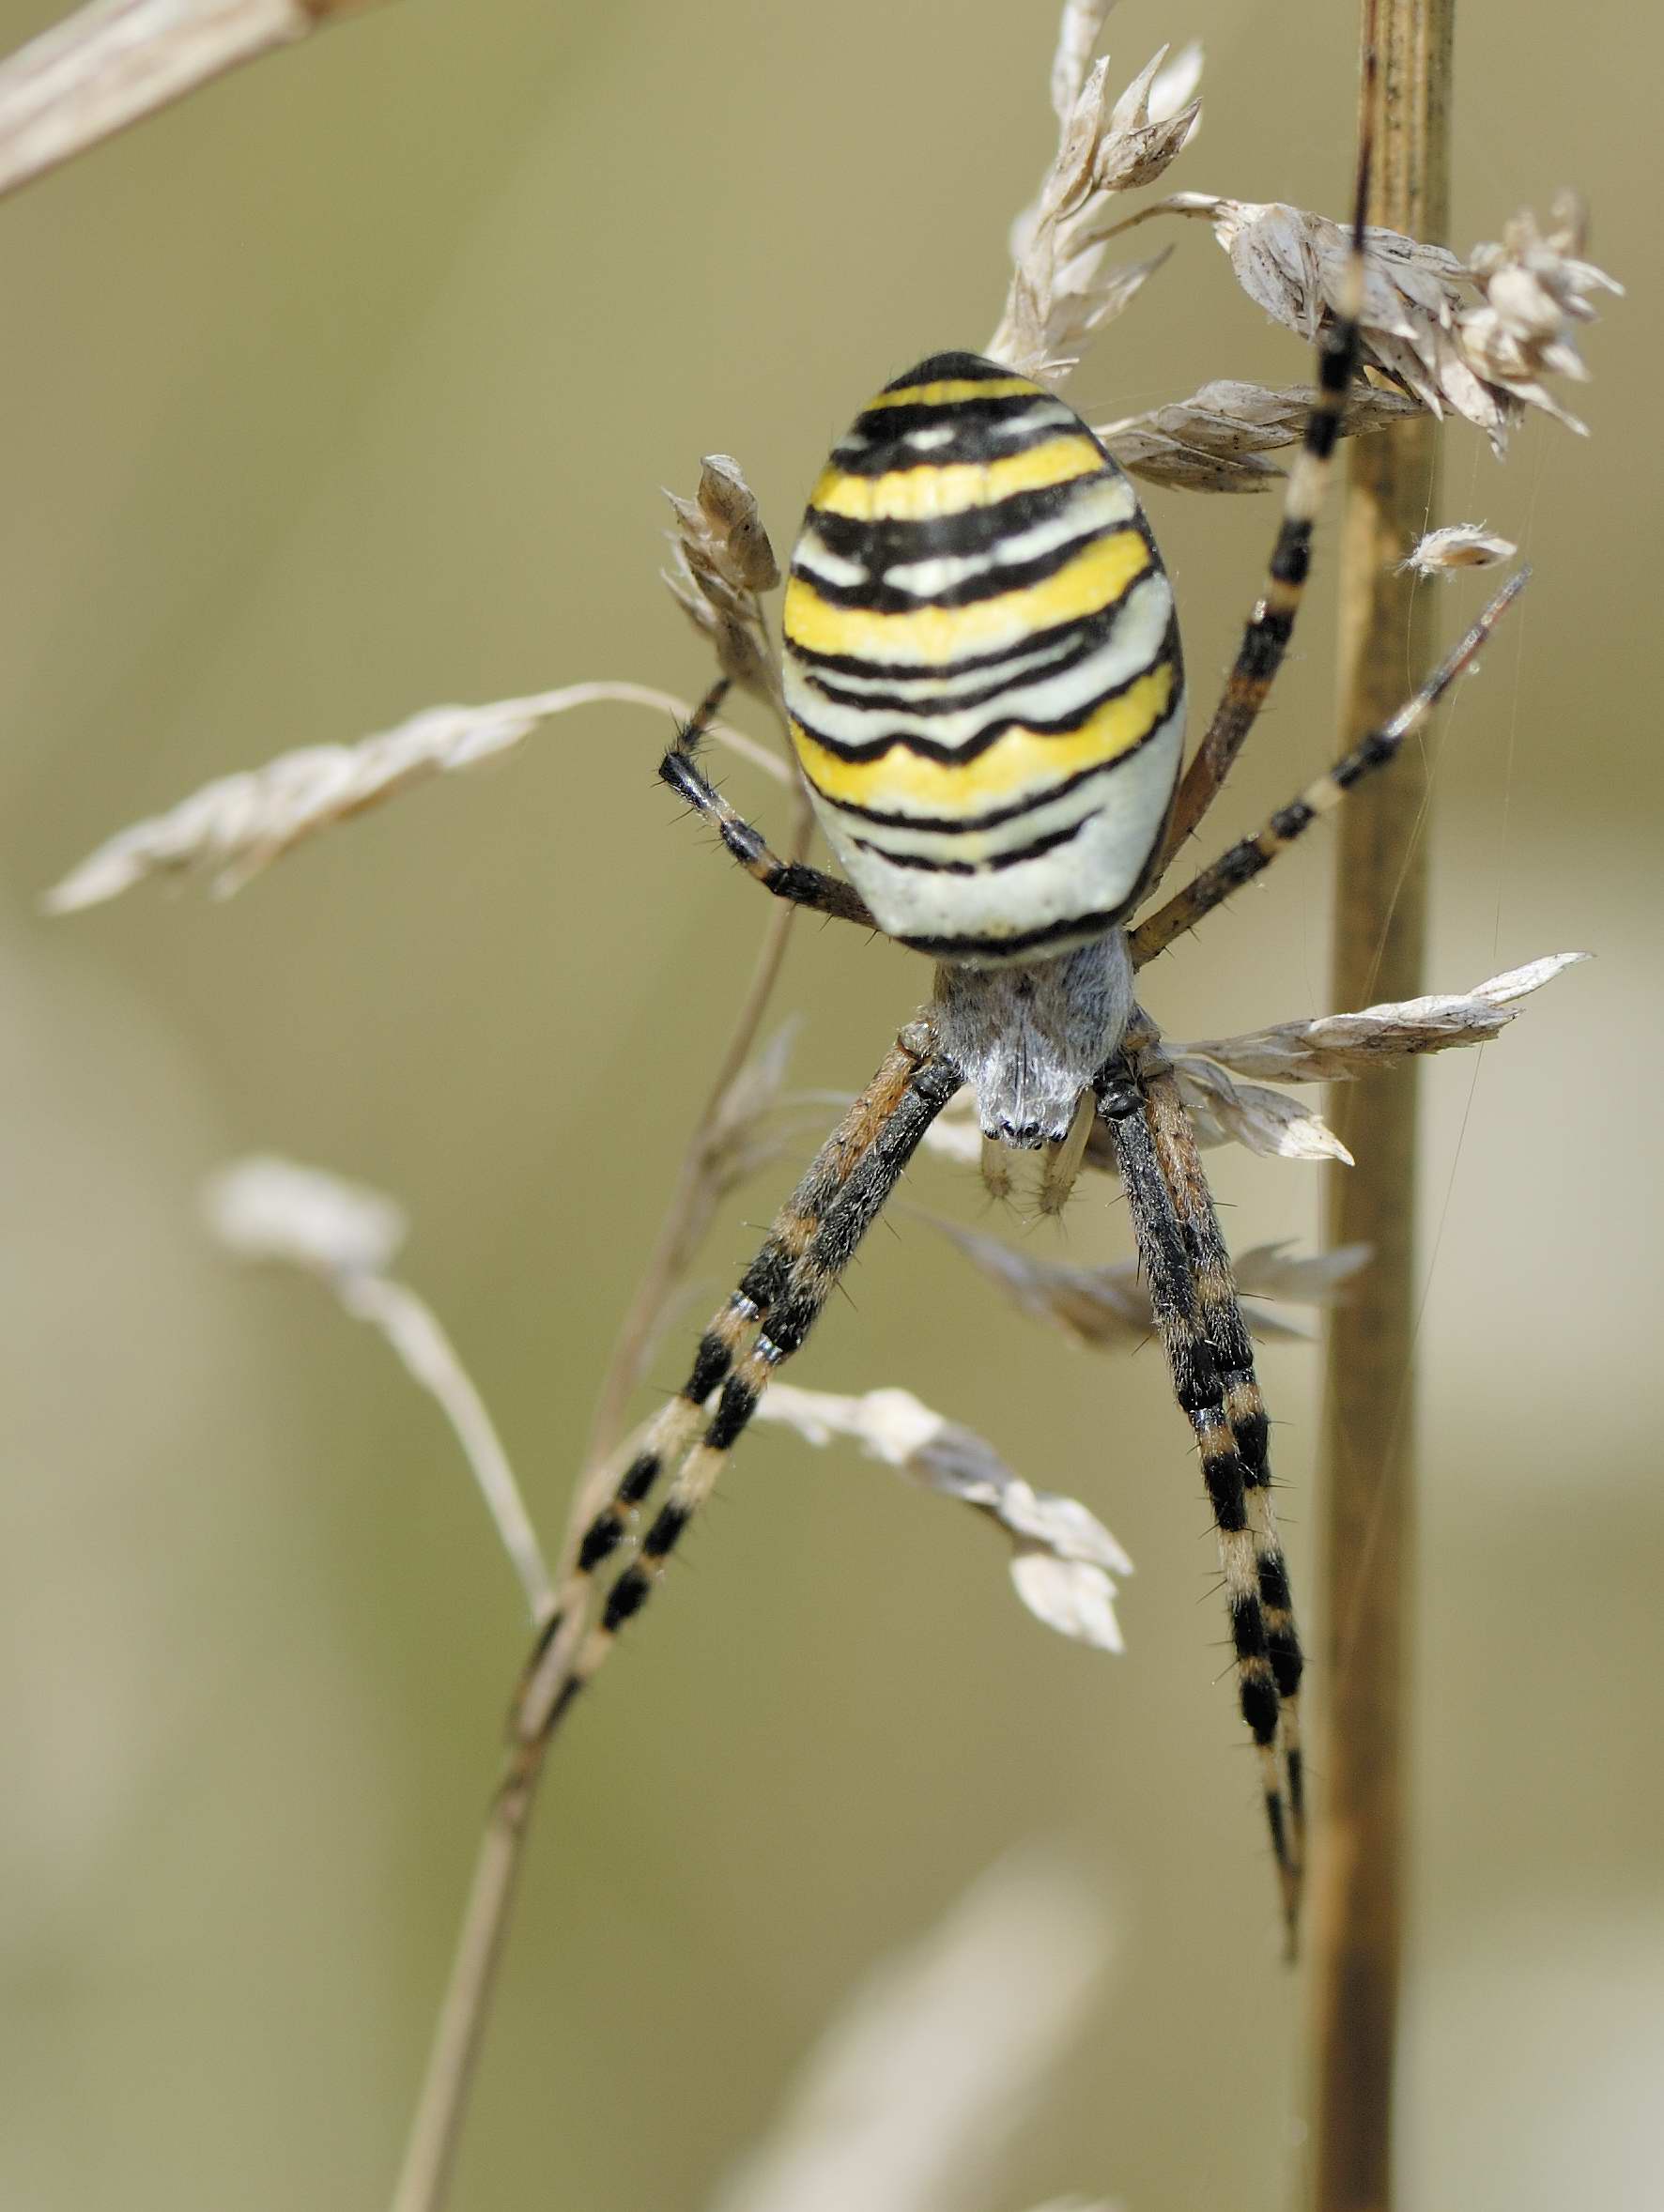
(1245, 861)
(1270, 627)
(1199, 1385)
(810, 1244)
(1219, 1313)
(790, 880)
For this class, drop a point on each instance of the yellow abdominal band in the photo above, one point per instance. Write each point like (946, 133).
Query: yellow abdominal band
(918, 494)
(899, 780)
(930, 636)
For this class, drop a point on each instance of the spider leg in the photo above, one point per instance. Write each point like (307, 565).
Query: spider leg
(1270, 626)
(1199, 1383)
(810, 1244)
(787, 879)
(994, 1166)
(1062, 1164)
(1245, 861)
(1220, 1316)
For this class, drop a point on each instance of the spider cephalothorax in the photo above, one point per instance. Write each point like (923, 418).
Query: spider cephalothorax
(1030, 1035)
(986, 697)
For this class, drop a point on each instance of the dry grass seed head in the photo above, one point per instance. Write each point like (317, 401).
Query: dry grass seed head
(1459, 545)
(1107, 1309)
(1331, 1047)
(1064, 1561)
(920, 2082)
(1217, 439)
(1475, 337)
(721, 560)
(236, 826)
(1061, 289)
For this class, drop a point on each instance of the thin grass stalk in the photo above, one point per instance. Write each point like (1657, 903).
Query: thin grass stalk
(430, 2148)
(442, 2105)
(668, 1257)
(1368, 1422)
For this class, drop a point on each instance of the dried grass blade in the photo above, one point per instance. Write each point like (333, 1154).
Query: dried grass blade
(238, 825)
(116, 61)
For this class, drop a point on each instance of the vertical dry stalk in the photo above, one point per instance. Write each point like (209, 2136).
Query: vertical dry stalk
(723, 564)
(1368, 1427)
(430, 2148)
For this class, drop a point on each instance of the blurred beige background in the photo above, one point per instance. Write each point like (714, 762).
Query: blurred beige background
(349, 387)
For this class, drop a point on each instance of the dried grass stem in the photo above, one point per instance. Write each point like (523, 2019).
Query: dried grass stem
(1379, 927)
(430, 2149)
(671, 1251)
(116, 61)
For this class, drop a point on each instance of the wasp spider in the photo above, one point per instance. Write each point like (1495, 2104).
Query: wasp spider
(986, 695)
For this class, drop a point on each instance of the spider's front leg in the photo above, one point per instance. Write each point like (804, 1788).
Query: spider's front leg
(790, 880)
(1249, 856)
(810, 1244)
(1209, 1357)
(1271, 625)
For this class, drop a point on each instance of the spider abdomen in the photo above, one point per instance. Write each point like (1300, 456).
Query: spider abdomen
(982, 668)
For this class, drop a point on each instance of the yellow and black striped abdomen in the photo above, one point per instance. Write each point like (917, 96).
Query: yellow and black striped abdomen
(982, 669)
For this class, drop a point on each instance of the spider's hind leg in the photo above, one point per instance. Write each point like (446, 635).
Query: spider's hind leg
(1220, 1316)
(790, 880)
(811, 1241)
(1230, 1473)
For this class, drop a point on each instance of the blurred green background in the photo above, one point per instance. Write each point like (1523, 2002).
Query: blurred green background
(349, 387)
